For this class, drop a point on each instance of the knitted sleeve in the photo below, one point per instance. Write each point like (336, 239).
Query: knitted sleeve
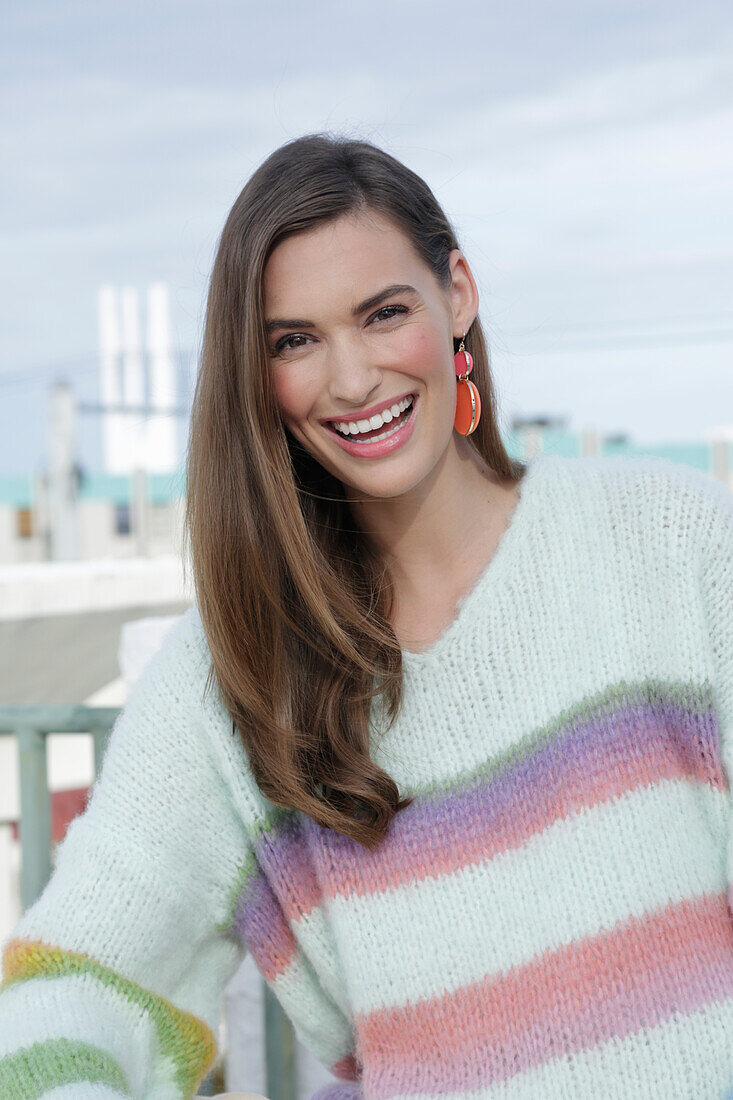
(714, 523)
(112, 980)
(716, 532)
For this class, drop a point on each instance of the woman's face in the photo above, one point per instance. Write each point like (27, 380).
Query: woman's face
(341, 350)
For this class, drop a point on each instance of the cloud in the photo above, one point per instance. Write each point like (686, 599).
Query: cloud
(587, 163)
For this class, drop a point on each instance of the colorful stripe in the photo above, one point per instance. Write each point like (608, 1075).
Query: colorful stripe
(342, 1090)
(648, 964)
(37, 1069)
(626, 739)
(607, 749)
(609, 986)
(187, 1041)
(349, 1087)
(86, 1090)
(348, 1068)
(260, 922)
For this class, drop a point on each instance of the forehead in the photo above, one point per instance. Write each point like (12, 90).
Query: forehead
(354, 253)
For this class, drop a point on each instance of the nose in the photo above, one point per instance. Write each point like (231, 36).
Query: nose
(353, 379)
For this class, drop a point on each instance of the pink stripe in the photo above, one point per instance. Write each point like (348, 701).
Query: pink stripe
(580, 766)
(585, 763)
(347, 1068)
(634, 977)
(260, 923)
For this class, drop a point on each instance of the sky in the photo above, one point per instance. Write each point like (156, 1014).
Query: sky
(583, 152)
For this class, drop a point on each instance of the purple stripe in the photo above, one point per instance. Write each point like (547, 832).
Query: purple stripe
(687, 739)
(340, 1090)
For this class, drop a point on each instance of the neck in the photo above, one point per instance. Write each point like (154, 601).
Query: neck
(434, 529)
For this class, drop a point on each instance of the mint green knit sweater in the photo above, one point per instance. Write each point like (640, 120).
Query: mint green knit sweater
(549, 920)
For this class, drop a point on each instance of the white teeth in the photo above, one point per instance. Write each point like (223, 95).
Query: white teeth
(382, 435)
(351, 427)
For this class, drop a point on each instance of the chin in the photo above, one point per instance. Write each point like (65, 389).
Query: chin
(383, 486)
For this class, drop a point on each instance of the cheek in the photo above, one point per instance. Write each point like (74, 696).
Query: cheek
(293, 392)
(423, 354)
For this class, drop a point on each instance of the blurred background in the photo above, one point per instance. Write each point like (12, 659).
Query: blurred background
(584, 153)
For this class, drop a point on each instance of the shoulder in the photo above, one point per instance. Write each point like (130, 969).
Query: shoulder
(649, 496)
(168, 692)
(650, 476)
(181, 659)
(174, 730)
(176, 703)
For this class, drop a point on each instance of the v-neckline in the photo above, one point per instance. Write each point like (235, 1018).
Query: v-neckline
(497, 564)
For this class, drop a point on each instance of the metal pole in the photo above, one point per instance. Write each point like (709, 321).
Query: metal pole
(719, 459)
(35, 815)
(62, 487)
(140, 512)
(280, 1068)
(100, 737)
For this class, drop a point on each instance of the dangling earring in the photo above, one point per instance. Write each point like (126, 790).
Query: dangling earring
(468, 402)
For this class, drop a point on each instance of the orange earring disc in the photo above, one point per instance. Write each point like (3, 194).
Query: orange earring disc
(467, 411)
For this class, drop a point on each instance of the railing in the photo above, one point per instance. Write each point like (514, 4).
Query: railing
(31, 725)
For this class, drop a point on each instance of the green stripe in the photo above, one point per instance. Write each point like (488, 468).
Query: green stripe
(31, 1072)
(186, 1040)
(694, 695)
(244, 872)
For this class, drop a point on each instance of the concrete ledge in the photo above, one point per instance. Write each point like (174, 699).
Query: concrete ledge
(35, 589)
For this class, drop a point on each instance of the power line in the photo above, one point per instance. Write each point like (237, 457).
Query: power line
(33, 374)
(648, 322)
(641, 340)
(140, 410)
(39, 373)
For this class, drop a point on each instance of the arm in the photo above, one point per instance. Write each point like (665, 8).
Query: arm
(112, 980)
(715, 521)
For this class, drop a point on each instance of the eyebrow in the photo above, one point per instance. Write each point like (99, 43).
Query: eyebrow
(362, 307)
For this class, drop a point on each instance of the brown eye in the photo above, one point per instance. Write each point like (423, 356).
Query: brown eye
(283, 342)
(386, 309)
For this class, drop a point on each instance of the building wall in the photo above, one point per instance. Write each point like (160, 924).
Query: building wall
(142, 515)
(98, 535)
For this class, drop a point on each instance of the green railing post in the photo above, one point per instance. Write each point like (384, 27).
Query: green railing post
(35, 814)
(30, 724)
(280, 1068)
(207, 1086)
(100, 744)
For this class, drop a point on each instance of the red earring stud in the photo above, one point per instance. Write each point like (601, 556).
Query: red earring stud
(468, 399)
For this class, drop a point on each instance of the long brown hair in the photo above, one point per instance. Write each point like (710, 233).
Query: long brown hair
(295, 602)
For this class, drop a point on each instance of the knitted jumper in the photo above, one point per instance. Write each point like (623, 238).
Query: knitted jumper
(550, 918)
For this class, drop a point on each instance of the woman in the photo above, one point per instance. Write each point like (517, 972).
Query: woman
(462, 789)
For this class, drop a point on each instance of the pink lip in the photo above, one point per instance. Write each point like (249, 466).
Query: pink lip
(364, 414)
(382, 446)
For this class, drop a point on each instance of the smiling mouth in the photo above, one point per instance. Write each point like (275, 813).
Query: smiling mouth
(392, 419)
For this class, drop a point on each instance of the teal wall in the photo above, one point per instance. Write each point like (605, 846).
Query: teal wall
(117, 489)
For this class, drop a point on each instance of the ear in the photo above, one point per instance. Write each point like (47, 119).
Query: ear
(463, 293)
